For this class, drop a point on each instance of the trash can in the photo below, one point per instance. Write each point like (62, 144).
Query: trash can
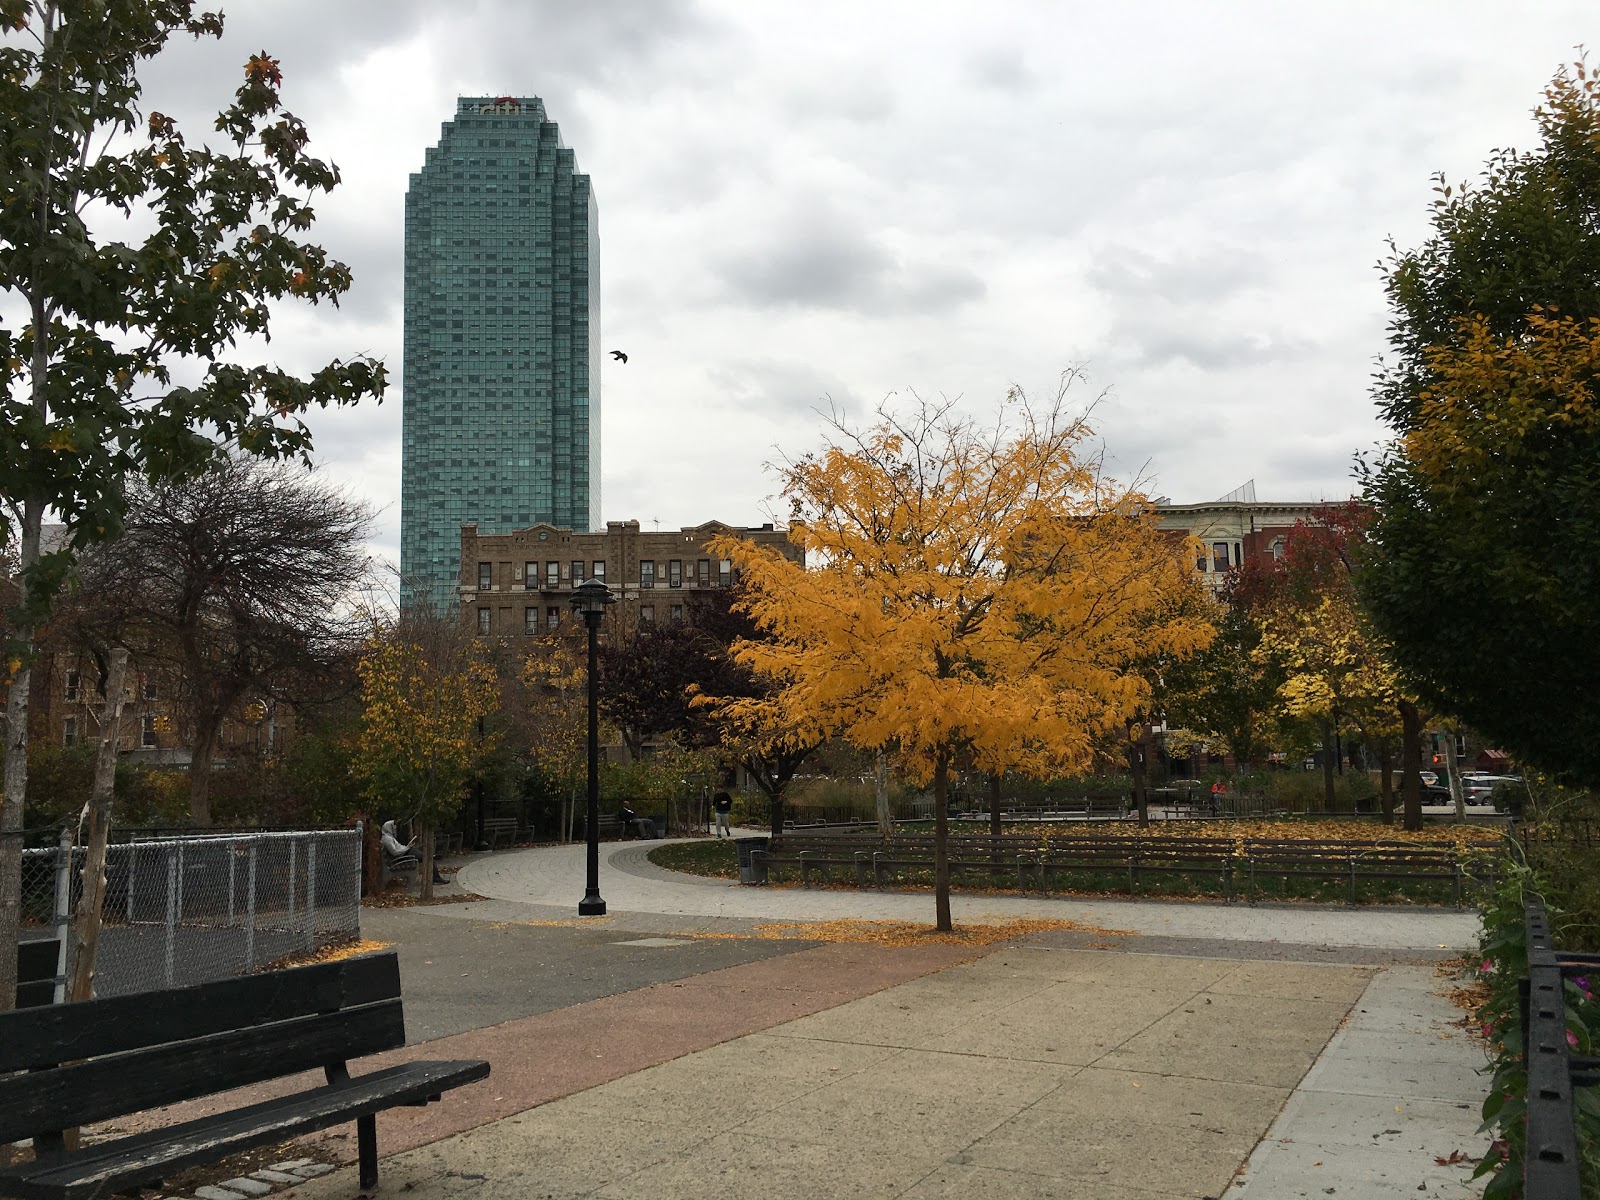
(749, 870)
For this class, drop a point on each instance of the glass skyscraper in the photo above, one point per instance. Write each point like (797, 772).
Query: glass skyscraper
(501, 403)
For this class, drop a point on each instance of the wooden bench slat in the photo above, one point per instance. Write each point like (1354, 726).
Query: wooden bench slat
(41, 1037)
(115, 1085)
(113, 1166)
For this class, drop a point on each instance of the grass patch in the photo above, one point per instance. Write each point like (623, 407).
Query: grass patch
(714, 858)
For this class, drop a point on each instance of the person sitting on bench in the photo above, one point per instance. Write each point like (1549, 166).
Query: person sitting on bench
(632, 821)
(402, 856)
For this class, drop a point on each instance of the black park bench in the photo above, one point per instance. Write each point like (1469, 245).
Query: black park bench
(67, 1065)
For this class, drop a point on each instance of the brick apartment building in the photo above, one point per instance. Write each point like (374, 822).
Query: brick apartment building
(521, 582)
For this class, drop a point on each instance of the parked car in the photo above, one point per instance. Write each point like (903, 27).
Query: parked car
(1480, 787)
(1429, 778)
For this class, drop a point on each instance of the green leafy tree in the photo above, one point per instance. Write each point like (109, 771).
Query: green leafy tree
(134, 266)
(1486, 540)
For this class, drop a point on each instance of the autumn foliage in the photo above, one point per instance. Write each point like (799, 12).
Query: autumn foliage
(424, 687)
(977, 591)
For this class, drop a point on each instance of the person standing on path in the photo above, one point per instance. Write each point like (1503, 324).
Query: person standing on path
(722, 805)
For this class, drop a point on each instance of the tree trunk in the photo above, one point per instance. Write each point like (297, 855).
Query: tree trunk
(1328, 801)
(371, 854)
(1386, 783)
(205, 749)
(994, 803)
(1411, 763)
(880, 794)
(1136, 766)
(775, 804)
(16, 770)
(1458, 795)
(97, 816)
(941, 844)
(425, 870)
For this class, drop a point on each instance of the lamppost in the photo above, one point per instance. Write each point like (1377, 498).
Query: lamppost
(590, 599)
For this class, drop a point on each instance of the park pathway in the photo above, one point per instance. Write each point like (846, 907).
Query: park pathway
(552, 877)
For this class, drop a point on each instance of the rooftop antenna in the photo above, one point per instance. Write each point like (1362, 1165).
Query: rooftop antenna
(656, 521)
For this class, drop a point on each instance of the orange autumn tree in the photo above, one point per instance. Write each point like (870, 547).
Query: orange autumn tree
(977, 591)
(424, 685)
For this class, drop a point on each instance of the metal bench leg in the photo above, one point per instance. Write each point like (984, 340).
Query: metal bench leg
(367, 1149)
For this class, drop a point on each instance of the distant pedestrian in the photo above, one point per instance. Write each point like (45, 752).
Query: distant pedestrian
(722, 805)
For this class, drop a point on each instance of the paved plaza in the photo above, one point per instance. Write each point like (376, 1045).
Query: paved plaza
(1215, 1051)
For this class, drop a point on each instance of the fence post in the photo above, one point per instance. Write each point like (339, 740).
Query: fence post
(355, 904)
(63, 913)
(250, 911)
(311, 892)
(233, 868)
(133, 857)
(172, 915)
(293, 850)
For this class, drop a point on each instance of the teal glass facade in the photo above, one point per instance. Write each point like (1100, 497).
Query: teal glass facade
(500, 421)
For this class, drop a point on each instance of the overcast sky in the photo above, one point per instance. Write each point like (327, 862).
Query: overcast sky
(804, 201)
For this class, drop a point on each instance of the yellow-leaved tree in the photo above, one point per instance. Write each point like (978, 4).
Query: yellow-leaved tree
(976, 591)
(1336, 670)
(424, 686)
(555, 716)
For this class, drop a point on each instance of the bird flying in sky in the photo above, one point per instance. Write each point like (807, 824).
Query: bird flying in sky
(619, 356)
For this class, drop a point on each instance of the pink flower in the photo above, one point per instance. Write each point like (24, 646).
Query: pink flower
(1488, 1029)
(1572, 1039)
(1488, 966)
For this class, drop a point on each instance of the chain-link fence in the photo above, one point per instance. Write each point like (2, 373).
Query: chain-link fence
(193, 909)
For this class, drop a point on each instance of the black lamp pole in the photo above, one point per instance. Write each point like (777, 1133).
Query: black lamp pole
(590, 599)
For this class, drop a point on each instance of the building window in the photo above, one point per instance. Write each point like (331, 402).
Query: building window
(725, 572)
(703, 572)
(1219, 553)
(1202, 562)
(647, 614)
(483, 620)
(552, 575)
(485, 577)
(647, 573)
(530, 620)
(149, 690)
(552, 617)
(147, 730)
(599, 570)
(675, 573)
(530, 575)
(577, 571)
(1277, 549)
(74, 682)
(677, 612)
(69, 730)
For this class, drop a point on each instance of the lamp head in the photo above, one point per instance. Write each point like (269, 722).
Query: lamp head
(590, 598)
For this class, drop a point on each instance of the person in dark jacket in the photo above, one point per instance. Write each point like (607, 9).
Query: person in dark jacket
(722, 807)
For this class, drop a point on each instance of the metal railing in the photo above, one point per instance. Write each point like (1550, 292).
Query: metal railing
(194, 909)
(1551, 1167)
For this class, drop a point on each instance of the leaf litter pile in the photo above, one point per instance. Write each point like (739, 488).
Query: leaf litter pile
(910, 933)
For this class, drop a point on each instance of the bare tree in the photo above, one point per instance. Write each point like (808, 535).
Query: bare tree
(235, 585)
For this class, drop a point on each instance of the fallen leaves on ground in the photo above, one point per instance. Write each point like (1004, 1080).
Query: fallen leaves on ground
(333, 952)
(398, 899)
(1461, 837)
(911, 933)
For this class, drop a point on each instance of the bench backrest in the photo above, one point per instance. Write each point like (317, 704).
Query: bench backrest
(126, 1054)
(36, 971)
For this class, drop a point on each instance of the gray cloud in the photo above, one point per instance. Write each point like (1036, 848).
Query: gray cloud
(818, 259)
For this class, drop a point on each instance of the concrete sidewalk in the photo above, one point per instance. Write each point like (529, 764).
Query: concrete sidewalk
(1033, 1071)
(1397, 1089)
